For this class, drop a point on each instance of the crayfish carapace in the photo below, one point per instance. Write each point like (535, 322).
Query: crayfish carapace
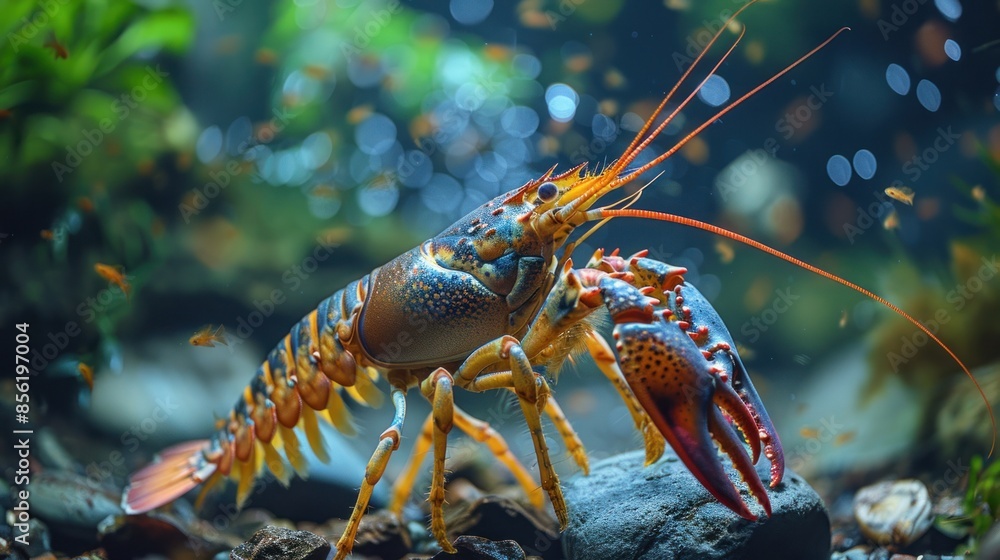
(487, 304)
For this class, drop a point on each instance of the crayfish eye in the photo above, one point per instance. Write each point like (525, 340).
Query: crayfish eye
(547, 191)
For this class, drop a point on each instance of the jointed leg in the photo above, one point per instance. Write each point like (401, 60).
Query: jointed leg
(438, 388)
(608, 365)
(388, 442)
(574, 447)
(527, 392)
(484, 433)
(481, 432)
(403, 486)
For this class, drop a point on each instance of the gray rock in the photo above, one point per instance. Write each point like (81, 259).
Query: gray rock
(625, 511)
(277, 543)
(479, 548)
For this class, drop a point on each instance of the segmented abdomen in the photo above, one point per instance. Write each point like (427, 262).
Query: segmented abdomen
(303, 377)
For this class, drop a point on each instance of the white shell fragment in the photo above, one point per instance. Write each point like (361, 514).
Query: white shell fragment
(894, 512)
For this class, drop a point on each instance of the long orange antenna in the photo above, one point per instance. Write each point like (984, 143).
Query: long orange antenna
(659, 159)
(632, 151)
(605, 213)
(634, 148)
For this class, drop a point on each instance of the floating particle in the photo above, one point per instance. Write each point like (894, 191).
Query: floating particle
(902, 194)
(614, 79)
(809, 432)
(996, 99)
(898, 79)
(978, 193)
(715, 92)
(865, 164)
(839, 170)
(316, 71)
(952, 49)
(928, 208)
(535, 19)
(725, 250)
(845, 437)
(891, 221)
(87, 374)
(929, 95)
(265, 57)
(696, 151)
(950, 9)
(843, 319)
(755, 52)
(359, 113)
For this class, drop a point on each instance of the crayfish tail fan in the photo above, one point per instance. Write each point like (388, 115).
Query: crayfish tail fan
(177, 471)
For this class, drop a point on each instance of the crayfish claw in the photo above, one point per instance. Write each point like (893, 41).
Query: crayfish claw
(685, 397)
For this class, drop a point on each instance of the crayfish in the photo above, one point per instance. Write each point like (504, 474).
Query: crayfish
(488, 304)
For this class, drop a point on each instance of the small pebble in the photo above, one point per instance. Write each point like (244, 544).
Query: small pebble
(276, 543)
(894, 512)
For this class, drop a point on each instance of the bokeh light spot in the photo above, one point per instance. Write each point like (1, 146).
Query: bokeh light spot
(209, 144)
(561, 101)
(952, 49)
(470, 12)
(865, 164)
(929, 95)
(898, 79)
(378, 200)
(950, 9)
(519, 122)
(715, 92)
(839, 170)
(375, 135)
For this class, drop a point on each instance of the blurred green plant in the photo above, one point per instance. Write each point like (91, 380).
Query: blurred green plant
(77, 76)
(980, 507)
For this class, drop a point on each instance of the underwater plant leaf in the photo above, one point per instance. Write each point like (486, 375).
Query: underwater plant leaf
(14, 94)
(170, 29)
(975, 467)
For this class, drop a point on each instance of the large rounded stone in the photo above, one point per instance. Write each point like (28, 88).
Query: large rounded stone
(623, 510)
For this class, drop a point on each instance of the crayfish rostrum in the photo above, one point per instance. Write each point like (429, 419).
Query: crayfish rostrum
(487, 304)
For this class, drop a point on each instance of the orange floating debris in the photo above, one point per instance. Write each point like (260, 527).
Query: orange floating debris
(87, 373)
(891, 221)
